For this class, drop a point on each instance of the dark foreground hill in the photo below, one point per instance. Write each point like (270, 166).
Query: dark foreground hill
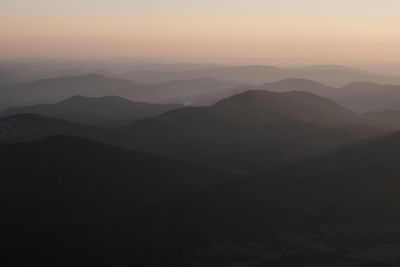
(351, 200)
(363, 179)
(71, 202)
(207, 139)
(106, 111)
(67, 201)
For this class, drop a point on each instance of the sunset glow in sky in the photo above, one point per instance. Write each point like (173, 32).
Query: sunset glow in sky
(348, 29)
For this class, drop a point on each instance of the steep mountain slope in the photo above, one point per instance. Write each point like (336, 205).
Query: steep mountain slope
(100, 111)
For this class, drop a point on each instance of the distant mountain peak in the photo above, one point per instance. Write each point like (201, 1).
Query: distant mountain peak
(330, 67)
(298, 82)
(360, 84)
(257, 94)
(93, 75)
(103, 111)
(93, 99)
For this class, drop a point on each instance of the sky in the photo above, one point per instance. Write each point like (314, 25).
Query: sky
(340, 29)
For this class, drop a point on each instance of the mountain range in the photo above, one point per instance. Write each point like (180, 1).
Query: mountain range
(57, 89)
(258, 74)
(106, 111)
(254, 130)
(48, 91)
(357, 96)
(102, 171)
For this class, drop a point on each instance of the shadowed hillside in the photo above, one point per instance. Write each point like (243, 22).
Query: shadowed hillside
(255, 129)
(67, 201)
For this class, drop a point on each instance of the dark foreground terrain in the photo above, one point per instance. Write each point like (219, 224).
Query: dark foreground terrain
(71, 202)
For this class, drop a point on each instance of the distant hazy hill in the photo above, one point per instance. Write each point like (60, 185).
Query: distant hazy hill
(305, 85)
(267, 106)
(195, 90)
(357, 96)
(99, 111)
(254, 129)
(7, 77)
(332, 75)
(366, 96)
(57, 89)
(182, 91)
(96, 85)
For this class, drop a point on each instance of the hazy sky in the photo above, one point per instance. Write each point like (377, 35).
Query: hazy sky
(348, 29)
